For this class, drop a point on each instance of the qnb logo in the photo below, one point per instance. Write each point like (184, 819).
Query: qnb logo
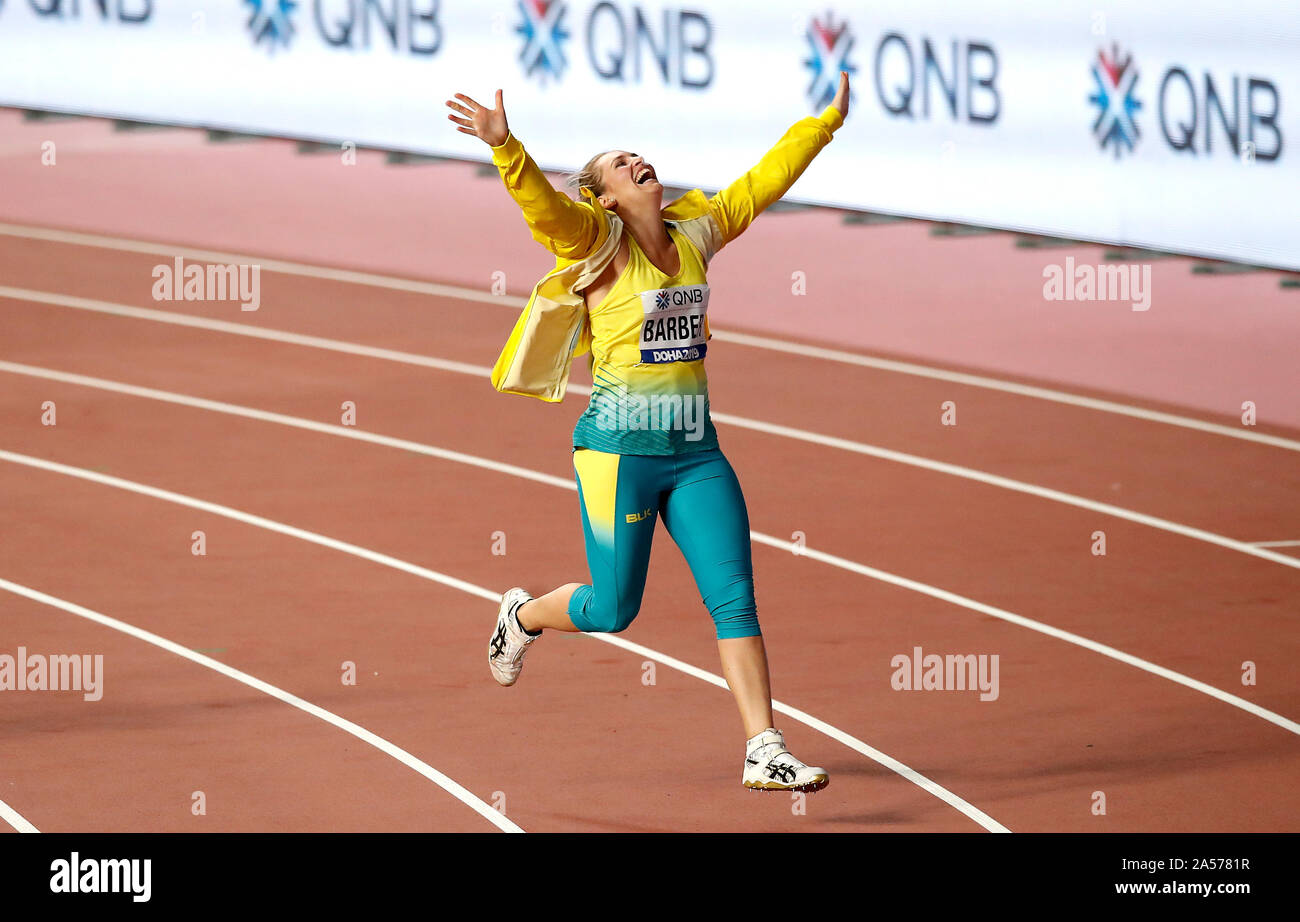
(1246, 112)
(830, 55)
(964, 79)
(1116, 79)
(271, 21)
(1199, 113)
(620, 36)
(666, 298)
(543, 31)
(133, 11)
(916, 77)
(409, 26)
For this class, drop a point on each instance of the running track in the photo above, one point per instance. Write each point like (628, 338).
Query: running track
(373, 544)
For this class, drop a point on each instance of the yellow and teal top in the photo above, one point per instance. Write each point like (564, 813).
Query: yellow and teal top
(650, 393)
(649, 336)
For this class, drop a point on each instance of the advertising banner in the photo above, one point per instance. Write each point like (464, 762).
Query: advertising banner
(1169, 125)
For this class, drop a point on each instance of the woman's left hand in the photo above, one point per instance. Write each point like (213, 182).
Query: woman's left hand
(841, 100)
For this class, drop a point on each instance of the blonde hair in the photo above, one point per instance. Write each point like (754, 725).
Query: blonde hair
(590, 176)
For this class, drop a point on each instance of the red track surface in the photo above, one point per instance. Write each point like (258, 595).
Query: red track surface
(581, 743)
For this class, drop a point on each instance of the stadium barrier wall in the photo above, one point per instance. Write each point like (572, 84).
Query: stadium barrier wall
(1162, 124)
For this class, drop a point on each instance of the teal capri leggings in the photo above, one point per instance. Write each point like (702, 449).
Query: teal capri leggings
(699, 498)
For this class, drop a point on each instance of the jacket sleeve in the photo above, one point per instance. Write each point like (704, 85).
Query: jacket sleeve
(736, 206)
(565, 227)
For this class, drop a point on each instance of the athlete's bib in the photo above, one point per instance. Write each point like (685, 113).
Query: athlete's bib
(673, 328)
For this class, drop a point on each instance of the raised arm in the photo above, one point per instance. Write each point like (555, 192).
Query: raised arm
(565, 227)
(736, 206)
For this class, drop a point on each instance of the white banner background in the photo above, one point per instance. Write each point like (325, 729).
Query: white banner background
(1037, 168)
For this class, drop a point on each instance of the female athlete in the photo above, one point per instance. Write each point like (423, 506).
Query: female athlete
(630, 285)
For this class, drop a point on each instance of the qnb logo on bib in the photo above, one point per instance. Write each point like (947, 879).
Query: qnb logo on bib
(673, 329)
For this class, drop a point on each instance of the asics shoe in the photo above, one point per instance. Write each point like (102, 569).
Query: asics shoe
(509, 640)
(769, 766)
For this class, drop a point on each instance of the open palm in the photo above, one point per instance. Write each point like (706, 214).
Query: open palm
(488, 124)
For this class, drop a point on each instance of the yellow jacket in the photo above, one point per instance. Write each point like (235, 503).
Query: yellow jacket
(584, 237)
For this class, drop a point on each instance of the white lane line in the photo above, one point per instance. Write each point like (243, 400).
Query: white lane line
(15, 819)
(1011, 617)
(284, 267)
(360, 732)
(759, 537)
(1007, 483)
(803, 435)
(833, 732)
(396, 283)
(296, 422)
(471, 589)
(1009, 387)
(1276, 543)
(239, 329)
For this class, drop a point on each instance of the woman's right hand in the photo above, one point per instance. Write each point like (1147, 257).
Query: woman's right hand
(488, 124)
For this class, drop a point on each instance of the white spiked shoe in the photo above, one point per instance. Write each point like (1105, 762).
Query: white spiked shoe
(769, 766)
(509, 640)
